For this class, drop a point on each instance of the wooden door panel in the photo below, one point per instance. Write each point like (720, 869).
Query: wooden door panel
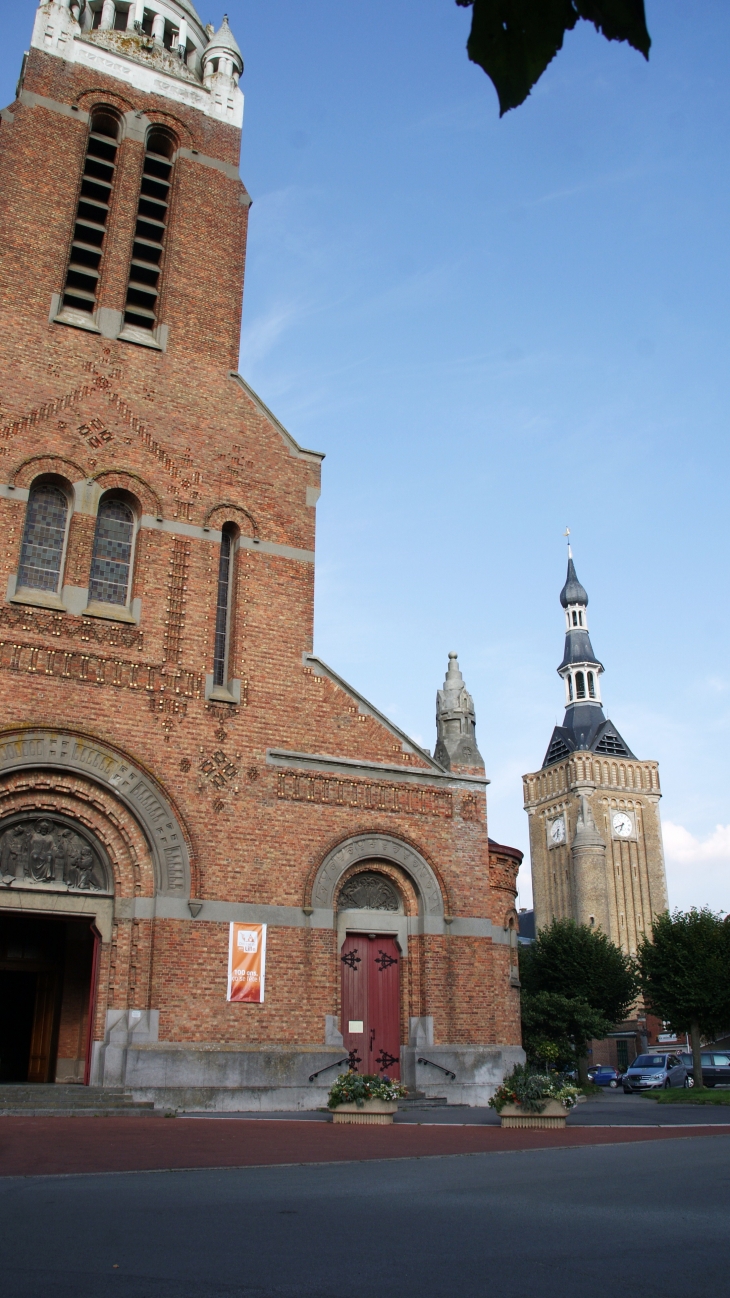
(44, 1025)
(354, 965)
(384, 1006)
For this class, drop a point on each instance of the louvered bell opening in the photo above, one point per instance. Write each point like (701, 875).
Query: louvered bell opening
(152, 212)
(92, 214)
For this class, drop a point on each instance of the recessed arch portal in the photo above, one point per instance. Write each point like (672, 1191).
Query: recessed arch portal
(371, 847)
(60, 750)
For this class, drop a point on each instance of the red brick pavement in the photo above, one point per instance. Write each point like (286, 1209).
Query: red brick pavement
(42, 1146)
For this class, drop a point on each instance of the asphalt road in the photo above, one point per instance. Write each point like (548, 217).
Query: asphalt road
(517, 1225)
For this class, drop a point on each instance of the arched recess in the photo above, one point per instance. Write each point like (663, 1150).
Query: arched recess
(222, 512)
(25, 472)
(110, 479)
(140, 793)
(369, 847)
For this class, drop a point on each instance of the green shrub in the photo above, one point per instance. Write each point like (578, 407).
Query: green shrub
(532, 1090)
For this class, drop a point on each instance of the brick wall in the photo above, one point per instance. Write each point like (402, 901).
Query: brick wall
(193, 448)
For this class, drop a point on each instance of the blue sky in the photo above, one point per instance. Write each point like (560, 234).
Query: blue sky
(494, 329)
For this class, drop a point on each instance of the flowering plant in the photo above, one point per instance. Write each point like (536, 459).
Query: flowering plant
(533, 1090)
(356, 1088)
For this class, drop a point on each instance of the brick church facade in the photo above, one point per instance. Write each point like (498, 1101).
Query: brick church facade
(173, 757)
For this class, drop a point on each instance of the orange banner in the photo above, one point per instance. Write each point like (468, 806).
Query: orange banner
(247, 963)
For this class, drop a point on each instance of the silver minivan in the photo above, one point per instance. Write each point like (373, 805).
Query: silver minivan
(649, 1072)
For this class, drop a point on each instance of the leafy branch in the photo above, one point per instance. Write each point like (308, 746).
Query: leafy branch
(514, 40)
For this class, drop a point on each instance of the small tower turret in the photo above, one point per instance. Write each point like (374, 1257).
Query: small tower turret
(456, 744)
(588, 853)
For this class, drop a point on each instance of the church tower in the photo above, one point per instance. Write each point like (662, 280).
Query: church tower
(223, 873)
(595, 834)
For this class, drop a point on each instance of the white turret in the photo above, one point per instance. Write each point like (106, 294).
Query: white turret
(153, 45)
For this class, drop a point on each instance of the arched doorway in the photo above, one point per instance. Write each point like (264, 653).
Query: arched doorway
(370, 979)
(47, 962)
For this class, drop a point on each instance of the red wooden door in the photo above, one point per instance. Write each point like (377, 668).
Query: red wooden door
(371, 1003)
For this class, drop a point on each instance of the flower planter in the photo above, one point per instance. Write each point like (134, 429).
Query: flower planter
(371, 1113)
(553, 1115)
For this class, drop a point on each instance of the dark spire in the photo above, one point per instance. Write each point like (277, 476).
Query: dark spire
(572, 592)
(585, 725)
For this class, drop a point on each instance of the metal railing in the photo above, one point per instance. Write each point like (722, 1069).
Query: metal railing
(448, 1071)
(346, 1060)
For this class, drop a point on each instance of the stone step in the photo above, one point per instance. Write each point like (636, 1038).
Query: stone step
(129, 1111)
(83, 1100)
(423, 1102)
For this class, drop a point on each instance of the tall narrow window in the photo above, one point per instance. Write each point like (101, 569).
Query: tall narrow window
(580, 685)
(570, 688)
(112, 558)
(591, 686)
(149, 235)
(223, 611)
(44, 537)
(575, 618)
(92, 213)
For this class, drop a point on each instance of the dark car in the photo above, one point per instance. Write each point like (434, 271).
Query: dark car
(715, 1068)
(649, 1072)
(604, 1075)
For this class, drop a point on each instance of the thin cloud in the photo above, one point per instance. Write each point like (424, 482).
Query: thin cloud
(698, 869)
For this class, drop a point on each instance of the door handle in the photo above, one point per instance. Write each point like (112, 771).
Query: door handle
(372, 1038)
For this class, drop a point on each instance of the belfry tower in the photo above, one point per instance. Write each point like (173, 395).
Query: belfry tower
(595, 835)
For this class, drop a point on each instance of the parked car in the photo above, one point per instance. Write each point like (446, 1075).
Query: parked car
(604, 1075)
(715, 1068)
(649, 1072)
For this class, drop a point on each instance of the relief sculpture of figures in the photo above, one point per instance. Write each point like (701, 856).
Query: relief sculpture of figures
(44, 851)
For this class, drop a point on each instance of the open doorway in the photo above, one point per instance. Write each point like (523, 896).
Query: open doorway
(46, 970)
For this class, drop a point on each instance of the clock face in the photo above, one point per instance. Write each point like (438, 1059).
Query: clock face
(557, 830)
(623, 826)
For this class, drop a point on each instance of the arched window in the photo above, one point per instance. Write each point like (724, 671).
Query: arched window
(44, 539)
(580, 619)
(575, 618)
(223, 608)
(141, 310)
(111, 563)
(580, 685)
(92, 212)
(591, 686)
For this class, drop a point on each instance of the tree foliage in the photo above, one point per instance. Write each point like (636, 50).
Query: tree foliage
(576, 984)
(514, 40)
(685, 974)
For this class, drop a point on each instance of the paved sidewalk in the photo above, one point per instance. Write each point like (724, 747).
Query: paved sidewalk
(609, 1109)
(53, 1146)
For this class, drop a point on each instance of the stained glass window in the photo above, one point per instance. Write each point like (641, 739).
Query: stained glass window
(43, 539)
(109, 580)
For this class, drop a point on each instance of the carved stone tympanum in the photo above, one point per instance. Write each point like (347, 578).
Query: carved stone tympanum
(368, 891)
(47, 850)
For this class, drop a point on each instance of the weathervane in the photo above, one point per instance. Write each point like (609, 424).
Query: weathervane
(566, 533)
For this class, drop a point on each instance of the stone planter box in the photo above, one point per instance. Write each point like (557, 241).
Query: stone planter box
(553, 1115)
(371, 1113)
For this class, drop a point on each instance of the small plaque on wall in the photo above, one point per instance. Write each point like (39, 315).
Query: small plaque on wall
(355, 1025)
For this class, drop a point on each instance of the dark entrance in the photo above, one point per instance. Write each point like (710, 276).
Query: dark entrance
(371, 1003)
(45, 986)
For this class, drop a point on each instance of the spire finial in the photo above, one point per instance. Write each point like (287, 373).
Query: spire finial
(566, 533)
